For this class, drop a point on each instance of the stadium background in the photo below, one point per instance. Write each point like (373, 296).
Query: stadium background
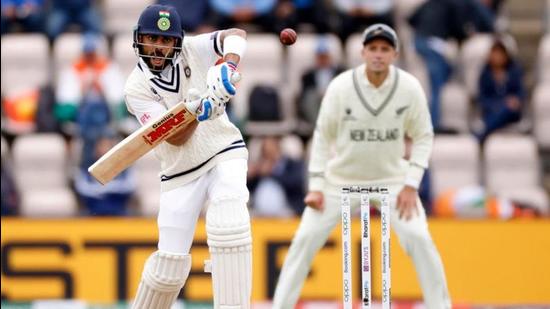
(53, 248)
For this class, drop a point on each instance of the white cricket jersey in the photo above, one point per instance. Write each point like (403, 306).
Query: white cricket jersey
(149, 95)
(359, 136)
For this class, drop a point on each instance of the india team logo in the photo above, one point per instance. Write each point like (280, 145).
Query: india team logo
(164, 23)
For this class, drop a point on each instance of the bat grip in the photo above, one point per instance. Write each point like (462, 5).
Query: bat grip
(235, 78)
(194, 94)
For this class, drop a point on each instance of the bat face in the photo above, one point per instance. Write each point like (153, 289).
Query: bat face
(165, 126)
(133, 147)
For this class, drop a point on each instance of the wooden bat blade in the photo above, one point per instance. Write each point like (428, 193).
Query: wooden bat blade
(133, 147)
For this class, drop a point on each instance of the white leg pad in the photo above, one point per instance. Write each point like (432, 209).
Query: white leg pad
(164, 274)
(230, 244)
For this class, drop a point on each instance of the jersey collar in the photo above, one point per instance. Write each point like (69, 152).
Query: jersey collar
(165, 74)
(387, 83)
(360, 80)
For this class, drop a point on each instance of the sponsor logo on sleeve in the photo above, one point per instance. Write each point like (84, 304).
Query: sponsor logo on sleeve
(145, 118)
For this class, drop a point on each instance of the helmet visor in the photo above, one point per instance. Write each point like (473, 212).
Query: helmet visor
(155, 54)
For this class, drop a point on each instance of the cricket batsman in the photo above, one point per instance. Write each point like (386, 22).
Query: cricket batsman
(204, 163)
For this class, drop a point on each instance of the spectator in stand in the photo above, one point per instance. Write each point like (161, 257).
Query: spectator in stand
(492, 9)
(501, 91)
(29, 14)
(475, 202)
(502, 21)
(494, 6)
(276, 182)
(80, 12)
(314, 83)
(292, 13)
(90, 93)
(355, 15)
(434, 23)
(104, 200)
(193, 14)
(227, 13)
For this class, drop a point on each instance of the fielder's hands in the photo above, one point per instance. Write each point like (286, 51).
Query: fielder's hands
(406, 203)
(315, 200)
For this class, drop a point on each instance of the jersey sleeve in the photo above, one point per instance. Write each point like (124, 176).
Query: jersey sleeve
(208, 46)
(323, 137)
(418, 126)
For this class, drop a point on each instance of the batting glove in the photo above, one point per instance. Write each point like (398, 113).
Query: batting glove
(219, 82)
(204, 108)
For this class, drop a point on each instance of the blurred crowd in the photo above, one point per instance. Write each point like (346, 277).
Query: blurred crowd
(60, 115)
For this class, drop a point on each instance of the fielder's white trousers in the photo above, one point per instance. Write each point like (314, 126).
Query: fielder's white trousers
(315, 228)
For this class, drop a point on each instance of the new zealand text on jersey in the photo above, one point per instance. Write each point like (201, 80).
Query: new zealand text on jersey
(374, 135)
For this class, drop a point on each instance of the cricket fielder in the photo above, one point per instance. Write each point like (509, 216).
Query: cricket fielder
(365, 115)
(203, 163)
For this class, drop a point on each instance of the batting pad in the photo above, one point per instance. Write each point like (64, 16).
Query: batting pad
(164, 274)
(230, 244)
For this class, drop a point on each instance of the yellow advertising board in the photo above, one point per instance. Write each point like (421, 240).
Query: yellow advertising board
(100, 260)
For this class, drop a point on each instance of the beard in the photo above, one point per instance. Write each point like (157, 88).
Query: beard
(157, 63)
(160, 58)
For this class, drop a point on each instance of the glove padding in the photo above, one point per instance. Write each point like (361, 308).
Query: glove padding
(204, 108)
(219, 84)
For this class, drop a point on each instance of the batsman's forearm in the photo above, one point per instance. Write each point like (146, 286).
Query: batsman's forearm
(233, 43)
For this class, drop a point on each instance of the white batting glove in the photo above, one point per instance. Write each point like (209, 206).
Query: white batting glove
(204, 108)
(219, 82)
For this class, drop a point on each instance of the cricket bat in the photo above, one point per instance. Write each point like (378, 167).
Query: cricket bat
(133, 147)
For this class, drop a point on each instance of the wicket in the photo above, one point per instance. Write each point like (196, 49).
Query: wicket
(365, 246)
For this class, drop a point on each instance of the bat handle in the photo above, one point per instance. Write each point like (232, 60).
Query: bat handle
(194, 94)
(235, 78)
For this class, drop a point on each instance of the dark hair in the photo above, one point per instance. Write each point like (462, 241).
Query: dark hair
(499, 44)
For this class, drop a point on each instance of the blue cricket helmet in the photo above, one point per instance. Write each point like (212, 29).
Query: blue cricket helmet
(162, 20)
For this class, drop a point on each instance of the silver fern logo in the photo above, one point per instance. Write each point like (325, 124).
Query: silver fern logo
(400, 110)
